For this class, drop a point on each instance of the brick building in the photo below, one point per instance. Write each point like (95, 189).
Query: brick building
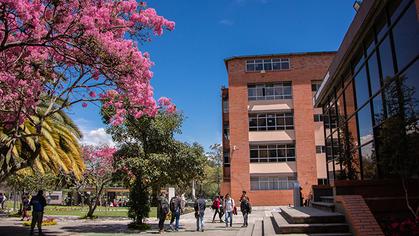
(272, 135)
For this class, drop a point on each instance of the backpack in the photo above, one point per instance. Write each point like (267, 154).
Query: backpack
(172, 204)
(164, 206)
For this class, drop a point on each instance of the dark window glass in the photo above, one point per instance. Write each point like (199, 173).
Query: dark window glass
(378, 109)
(381, 26)
(410, 89)
(369, 42)
(271, 122)
(263, 152)
(254, 153)
(276, 65)
(365, 125)
(259, 66)
(285, 65)
(391, 96)
(291, 152)
(358, 61)
(267, 65)
(386, 60)
(406, 37)
(250, 67)
(261, 122)
(349, 99)
(369, 164)
(395, 7)
(374, 74)
(361, 87)
(269, 92)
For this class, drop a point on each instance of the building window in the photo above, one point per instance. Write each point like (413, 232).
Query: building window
(320, 149)
(225, 106)
(271, 121)
(274, 91)
(315, 85)
(272, 182)
(272, 153)
(330, 121)
(275, 64)
(226, 131)
(226, 156)
(318, 117)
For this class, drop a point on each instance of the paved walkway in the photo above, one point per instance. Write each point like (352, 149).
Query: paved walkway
(118, 226)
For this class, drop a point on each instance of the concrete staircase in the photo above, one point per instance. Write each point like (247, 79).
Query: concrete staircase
(316, 221)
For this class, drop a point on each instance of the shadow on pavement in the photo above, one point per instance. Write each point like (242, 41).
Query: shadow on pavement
(19, 230)
(113, 228)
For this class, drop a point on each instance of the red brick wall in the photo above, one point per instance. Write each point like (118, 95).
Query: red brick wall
(304, 69)
(358, 215)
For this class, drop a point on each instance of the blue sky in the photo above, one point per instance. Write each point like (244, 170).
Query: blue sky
(190, 60)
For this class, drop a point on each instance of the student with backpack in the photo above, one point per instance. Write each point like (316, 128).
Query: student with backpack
(216, 205)
(229, 206)
(199, 207)
(162, 211)
(245, 208)
(38, 203)
(176, 209)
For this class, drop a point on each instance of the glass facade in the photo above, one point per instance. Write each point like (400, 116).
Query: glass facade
(371, 114)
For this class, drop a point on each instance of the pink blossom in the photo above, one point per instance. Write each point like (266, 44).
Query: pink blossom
(84, 105)
(96, 48)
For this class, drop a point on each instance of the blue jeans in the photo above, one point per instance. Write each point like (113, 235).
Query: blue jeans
(229, 215)
(200, 221)
(177, 216)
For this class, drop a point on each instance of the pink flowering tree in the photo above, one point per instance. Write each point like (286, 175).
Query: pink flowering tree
(98, 175)
(61, 53)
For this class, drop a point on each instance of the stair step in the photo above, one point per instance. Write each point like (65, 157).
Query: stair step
(329, 199)
(246, 231)
(283, 227)
(307, 215)
(268, 228)
(324, 206)
(322, 234)
(258, 228)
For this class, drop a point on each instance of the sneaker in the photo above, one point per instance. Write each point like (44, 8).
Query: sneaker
(202, 230)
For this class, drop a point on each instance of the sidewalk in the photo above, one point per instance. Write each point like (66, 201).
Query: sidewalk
(115, 226)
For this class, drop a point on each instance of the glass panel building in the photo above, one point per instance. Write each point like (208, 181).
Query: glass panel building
(369, 95)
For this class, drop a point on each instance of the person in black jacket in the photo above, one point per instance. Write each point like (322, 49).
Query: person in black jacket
(245, 208)
(38, 204)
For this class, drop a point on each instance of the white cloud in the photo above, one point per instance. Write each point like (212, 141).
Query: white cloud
(97, 137)
(226, 22)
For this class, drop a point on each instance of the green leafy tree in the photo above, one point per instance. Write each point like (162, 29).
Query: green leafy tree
(150, 158)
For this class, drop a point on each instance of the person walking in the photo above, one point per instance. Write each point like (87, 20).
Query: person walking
(38, 204)
(229, 206)
(2, 200)
(216, 205)
(176, 209)
(25, 207)
(162, 210)
(245, 208)
(199, 207)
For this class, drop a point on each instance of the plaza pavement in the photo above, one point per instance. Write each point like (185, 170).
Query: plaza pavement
(118, 226)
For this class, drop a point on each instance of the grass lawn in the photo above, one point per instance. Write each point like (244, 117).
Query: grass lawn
(82, 211)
